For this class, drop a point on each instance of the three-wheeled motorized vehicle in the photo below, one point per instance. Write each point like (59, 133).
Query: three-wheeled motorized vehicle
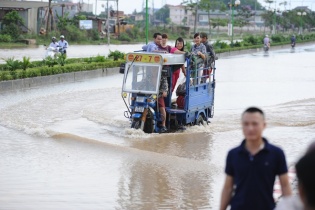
(140, 91)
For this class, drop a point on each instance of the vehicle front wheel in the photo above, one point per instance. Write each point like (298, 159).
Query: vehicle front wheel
(149, 124)
(136, 124)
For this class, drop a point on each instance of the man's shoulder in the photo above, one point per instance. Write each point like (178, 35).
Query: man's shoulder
(236, 150)
(274, 148)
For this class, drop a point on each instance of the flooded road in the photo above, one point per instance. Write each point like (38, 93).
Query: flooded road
(69, 147)
(74, 51)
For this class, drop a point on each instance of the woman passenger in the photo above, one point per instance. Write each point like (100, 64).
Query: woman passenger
(178, 49)
(199, 49)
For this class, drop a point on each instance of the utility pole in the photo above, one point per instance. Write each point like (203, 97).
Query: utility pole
(118, 22)
(95, 6)
(48, 26)
(196, 16)
(146, 22)
(108, 33)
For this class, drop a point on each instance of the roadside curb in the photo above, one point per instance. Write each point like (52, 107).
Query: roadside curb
(27, 83)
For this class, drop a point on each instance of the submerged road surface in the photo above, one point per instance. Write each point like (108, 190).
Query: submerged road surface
(69, 147)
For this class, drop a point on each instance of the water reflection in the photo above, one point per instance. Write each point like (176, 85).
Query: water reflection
(168, 182)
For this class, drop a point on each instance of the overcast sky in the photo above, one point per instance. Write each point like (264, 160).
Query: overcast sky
(128, 6)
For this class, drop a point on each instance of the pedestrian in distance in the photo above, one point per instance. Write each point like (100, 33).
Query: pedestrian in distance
(252, 167)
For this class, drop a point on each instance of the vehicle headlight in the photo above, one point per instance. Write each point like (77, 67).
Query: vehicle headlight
(124, 95)
(140, 99)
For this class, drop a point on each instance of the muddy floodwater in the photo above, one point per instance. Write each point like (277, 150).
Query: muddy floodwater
(69, 146)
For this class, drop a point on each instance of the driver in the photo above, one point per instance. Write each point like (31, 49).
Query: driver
(163, 91)
(54, 43)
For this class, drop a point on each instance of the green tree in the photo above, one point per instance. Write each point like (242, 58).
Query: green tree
(12, 17)
(251, 3)
(12, 22)
(162, 14)
(244, 14)
(207, 5)
(192, 5)
(63, 21)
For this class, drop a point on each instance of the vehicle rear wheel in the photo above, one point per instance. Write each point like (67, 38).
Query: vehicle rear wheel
(200, 120)
(136, 123)
(149, 125)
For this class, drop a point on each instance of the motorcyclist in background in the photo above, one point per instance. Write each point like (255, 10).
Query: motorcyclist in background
(293, 41)
(54, 43)
(63, 44)
(266, 43)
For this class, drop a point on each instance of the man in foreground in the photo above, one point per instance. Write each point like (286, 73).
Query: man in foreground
(251, 168)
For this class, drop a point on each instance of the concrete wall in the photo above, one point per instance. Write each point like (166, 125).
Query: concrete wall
(55, 79)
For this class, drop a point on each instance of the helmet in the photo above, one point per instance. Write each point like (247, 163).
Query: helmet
(62, 37)
(53, 38)
(266, 35)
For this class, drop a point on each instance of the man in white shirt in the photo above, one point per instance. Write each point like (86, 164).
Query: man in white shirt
(54, 43)
(63, 44)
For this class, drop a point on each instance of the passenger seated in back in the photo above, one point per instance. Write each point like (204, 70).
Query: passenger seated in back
(181, 93)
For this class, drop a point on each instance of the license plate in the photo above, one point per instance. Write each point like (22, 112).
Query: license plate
(139, 109)
(144, 58)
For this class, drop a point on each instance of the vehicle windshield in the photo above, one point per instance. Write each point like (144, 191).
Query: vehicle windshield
(142, 78)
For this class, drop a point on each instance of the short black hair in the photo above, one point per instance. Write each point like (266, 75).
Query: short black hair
(180, 39)
(164, 36)
(203, 35)
(305, 170)
(156, 34)
(196, 34)
(254, 110)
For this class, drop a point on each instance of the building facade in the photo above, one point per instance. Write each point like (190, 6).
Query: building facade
(181, 15)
